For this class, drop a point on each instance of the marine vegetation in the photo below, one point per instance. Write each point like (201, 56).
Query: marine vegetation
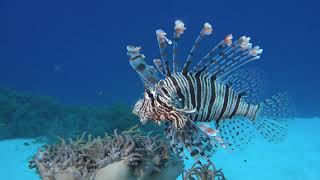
(216, 89)
(122, 155)
(200, 171)
(24, 115)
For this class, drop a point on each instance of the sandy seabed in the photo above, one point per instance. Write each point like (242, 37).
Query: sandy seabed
(298, 158)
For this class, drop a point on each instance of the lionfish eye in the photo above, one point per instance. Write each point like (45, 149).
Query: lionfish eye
(148, 94)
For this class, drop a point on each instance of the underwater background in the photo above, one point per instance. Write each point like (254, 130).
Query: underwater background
(64, 70)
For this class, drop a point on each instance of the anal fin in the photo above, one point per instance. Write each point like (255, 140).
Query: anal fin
(237, 132)
(192, 139)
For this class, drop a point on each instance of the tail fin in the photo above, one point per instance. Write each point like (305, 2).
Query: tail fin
(273, 116)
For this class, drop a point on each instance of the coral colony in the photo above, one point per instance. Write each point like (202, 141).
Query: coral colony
(203, 172)
(139, 156)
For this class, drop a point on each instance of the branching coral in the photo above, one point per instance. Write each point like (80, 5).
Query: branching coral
(201, 171)
(84, 156)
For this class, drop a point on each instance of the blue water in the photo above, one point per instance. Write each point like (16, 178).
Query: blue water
(75, 51)
(86, 42)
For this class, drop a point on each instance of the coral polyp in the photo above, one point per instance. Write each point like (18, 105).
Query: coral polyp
(126, 155)
(200, 171)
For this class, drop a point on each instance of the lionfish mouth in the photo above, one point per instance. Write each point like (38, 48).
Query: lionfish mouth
(140, 112)
(137, 107)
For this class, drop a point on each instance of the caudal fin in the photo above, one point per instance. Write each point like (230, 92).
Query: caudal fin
(272, 120)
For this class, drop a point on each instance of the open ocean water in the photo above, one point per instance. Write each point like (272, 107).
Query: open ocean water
(74, 52)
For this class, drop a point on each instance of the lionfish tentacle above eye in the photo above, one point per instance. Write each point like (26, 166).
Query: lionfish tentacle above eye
(159, 66)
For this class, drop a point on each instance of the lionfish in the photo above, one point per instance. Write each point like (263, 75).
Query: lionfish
(216, 89)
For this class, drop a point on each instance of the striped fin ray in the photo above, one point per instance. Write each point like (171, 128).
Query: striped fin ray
(228, 56)
(211, 53)
(248, 83)
(159, 66)
(241, 54)
(206, 30)
(179, 29)
(217, 55)
(223, 59)
(162, 42)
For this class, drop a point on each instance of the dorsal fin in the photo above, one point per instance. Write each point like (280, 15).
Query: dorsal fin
(166, 63)
(222, 60)
(179, 29)
(162, 42)
(159, 66)
(212, 52)
(228, 56)
(217, 49)
(248, 83)
(206, 30)
(235, 56)
(200, 71)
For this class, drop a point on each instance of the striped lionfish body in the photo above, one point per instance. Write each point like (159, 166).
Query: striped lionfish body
(212, 100)
(214, 90)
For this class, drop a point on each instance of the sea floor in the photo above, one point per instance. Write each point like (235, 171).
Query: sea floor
(296, 159)
(14, 156)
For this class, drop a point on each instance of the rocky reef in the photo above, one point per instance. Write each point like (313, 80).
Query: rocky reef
(25, 115)
(128, 155)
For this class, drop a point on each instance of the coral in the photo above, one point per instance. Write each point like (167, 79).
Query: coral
(201, 171)
(85, 157)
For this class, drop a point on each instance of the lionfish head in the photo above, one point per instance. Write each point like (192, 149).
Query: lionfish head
(144, 109)
(148, 109)
(137, 109)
